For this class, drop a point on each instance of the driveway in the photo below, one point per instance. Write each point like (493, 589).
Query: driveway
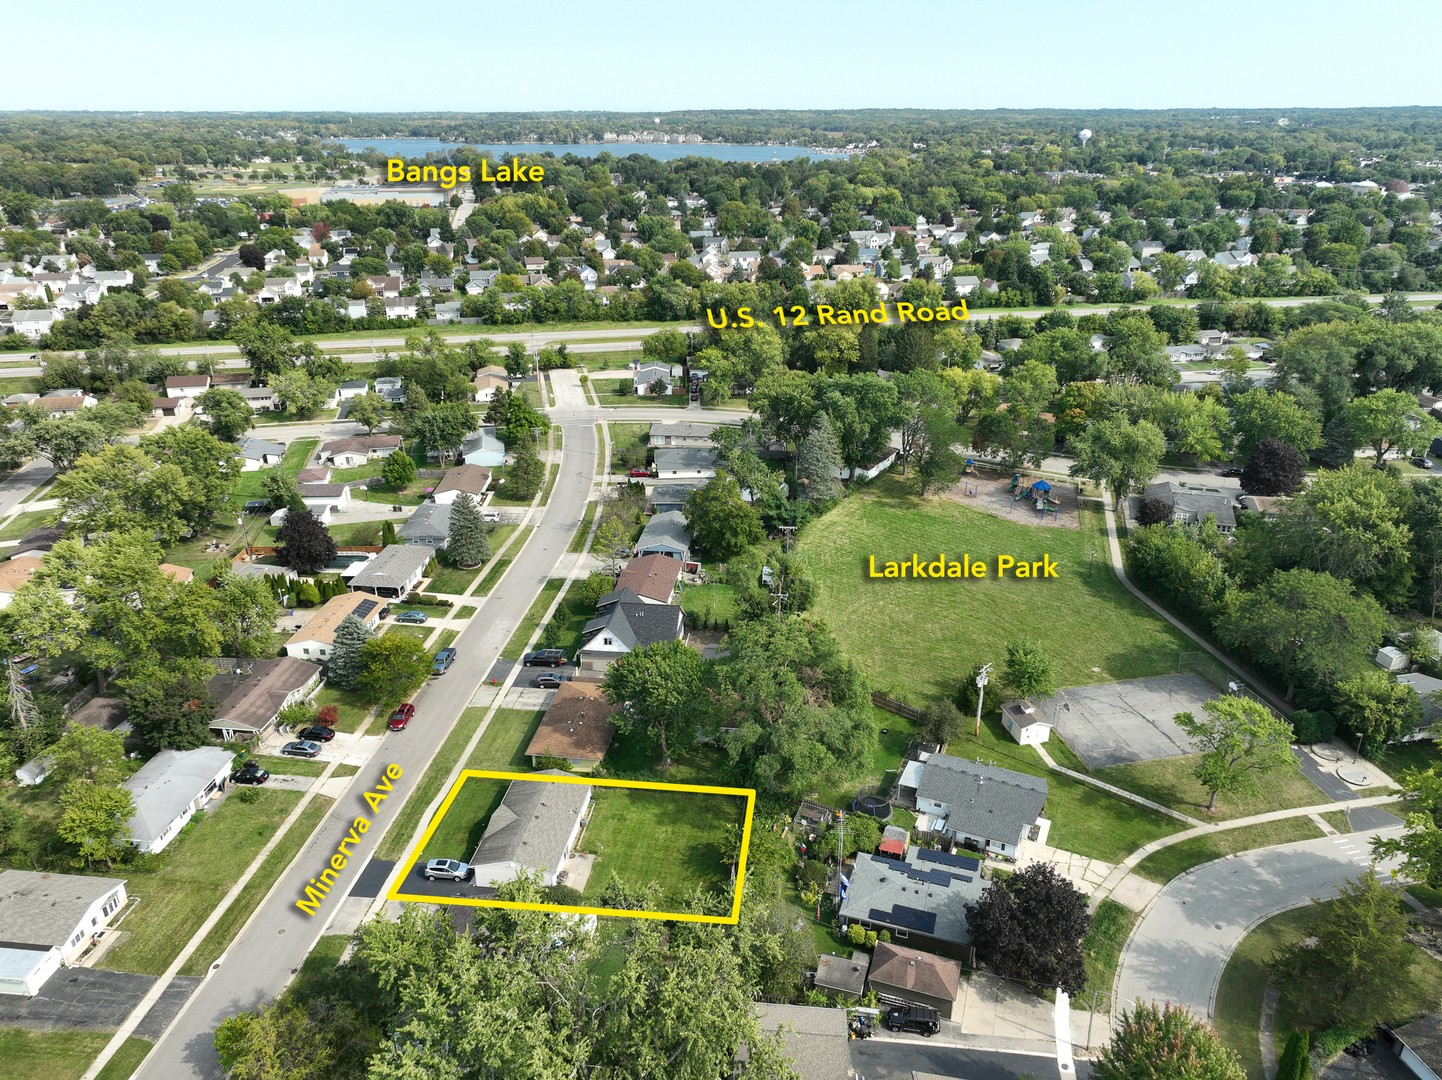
(1184, 939)
(88, 999)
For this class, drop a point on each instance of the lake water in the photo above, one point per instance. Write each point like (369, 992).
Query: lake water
(416, 148)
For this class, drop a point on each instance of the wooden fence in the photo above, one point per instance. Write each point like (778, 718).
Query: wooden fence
(891, 705)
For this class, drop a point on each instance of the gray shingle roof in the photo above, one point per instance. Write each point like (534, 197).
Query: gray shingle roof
(685, 458)
(665, 532)
(984, 800)
(429, 520)
(683, 430)
(636, 625)
(44, 909)
(1195, 504)
(255, 448)
(671, 494)
(533, 823)
(884, 891)
(167, 782)
(393, 567)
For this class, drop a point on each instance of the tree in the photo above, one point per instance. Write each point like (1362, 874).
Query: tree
(664, 345)
(659, 686)
(280, 489)
(1150, 1042)
(787, 403)
(399, 469)
(1125, 456)
(246, 610)
(66, 439)
(469, 542)
(298, 392)
(818, 463)
(170, 705)
(526, 472)
(1305, 625)
(96, 819)
(305, 544)
(347, 652)
(395, 666)
(229, 414)
(267, 346)
(1357, 961)
(941, 722)
(517, 362)
(1261, 414)
(1275, 468)
(719, 520)
(1295, 1063)
(1374, 704)
(921, 397)
(443, 428)
(1028, 670)
(976, 391)
(1030, 926)
(1240, 740)
(1390, 420)
(41, 619)
(88, 754)
(367, 410)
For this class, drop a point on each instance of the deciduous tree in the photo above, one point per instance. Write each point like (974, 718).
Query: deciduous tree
(1152, 1041)
(305, 544)
(89, 755)
(1029, 926)
(659, 685)
(1390, 420)
(1028, 670)
(1276, 468)
(1240, 739)
(1125, 456)
(229, 414)
(96, 820)
(719, 520)
(398, 470)
(395, 667)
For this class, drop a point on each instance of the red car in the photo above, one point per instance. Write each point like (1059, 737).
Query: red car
(401, 717)
(640, 472)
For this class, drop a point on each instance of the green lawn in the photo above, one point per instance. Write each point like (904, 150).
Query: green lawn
(628, 435)
(446, 638)
(573, 614)
(198, 871)
(450, 579)
(353, 708)
(1420, 755)
(322, 958)
(435, 611)
(393, 845)
(1102, 949)
(583, 530)
(714, 602)
(1170, 781)
(420, 633)
(465, 822)
(22, 524)
(551, 474)
(674, 401)
(1337, 819)
(671, 838)
(503, 746)
(493, 575)
(517, 645)
(298, 455)
(224, 931)
(65, 1055)
(465, 612)
(1169, 862)
(962, 622)
(292, 766)
(363, 533)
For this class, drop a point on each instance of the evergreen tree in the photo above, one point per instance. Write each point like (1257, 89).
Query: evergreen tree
(346, 662)
(388, 533)
(305, 544)
(819, 462)
(524, 477)
(470, 541)
(1294, 1063)
(309, 595)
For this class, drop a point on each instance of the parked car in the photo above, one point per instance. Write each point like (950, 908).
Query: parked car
(300, 749)
(251, 774)
(544, 658)
(548, 682)
(640, 472)
(1230, 473)
(1421, 462)
(257, 506)
(412, 617)
(317, 733)
(449, 869)
(919, 1018)
(444, 659)
(490, 515)
(401, 717)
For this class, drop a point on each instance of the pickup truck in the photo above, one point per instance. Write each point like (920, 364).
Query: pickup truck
(444, 659)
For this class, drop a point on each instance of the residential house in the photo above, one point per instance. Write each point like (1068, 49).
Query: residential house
(313, 476)
(966, 284)
(666, 497)
(920, 900)
(260, 398)
(652, 578)
(1429, 691)
(429, 525)
(33, 324)
(983, 807)
(430, 284)
(14, 573)
(323, 497)
(488, 385)
(385, 287)
(394, 572)
(348, 453)
(13, 290)
(1418, 1045)
(685, 433)
(111, 279)
(352, 388)
(104, 713)
(481, 280)
(815, 1040)
(37, 542)
(186, 386)
(653, 371)
(625, 627)
(64, 404)
(178, 574)
(392, 388)
(1148, 249)
(315, 639)
(170, 788)
(352, 309)
(48, 920)
(249, 694)
(473, 479)
(402, 307)
(1191, 507)
(168, 406)
(843, 976)
(483, 448)
(1231, 260)
(576, 727)
(1023, 723)
(534, 828)
(685, 462)
(915, 976)
(258, 453)
(665, 534)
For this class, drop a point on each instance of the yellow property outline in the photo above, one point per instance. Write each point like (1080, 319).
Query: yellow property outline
(485, 774)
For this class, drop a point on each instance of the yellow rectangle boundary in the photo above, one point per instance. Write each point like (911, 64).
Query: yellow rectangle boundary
(483, 774)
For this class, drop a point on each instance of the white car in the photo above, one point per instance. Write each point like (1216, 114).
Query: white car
(449, 869)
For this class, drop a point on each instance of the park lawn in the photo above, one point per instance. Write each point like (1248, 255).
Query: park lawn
(517, 645)
(199, 870)
(465, 612)
(281, 856)
(23, 524)
(628, 436)
(292, 766)
(393, 845)
(1166, 864)
(353, 708)
(919, 637)
(583, 530)
(712, 602)
(464, 823)
(65, 1055)
(503, 745)
(672, 838)
(1170, 781)
(1102, 950)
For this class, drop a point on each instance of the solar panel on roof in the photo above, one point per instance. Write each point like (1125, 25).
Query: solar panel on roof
(962, 861)
(909, 918)
(966, 877)
(364, 608)
(941, 877)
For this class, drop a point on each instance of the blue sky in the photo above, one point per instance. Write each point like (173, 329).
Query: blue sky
(369, 56)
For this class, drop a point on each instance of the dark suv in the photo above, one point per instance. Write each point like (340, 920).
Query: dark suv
(918, 1018)
(545, 658)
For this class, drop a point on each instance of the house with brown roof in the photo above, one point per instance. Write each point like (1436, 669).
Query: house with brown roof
(472, 479)
(251, 693)
(576, 727)
(67, 405)
(915, 976)
(385, 286)
(488, 384)
(169, 406)
(186, 386)
(348, 453)
(652, 578)
(314, 640)
(15, 573)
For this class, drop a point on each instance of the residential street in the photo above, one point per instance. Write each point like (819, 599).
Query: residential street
(1182, 943)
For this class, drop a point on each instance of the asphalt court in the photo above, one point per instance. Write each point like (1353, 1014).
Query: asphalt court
(1117, 723)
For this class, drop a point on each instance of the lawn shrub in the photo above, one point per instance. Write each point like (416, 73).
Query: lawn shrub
(1313, 726)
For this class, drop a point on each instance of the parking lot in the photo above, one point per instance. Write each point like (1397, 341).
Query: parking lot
(1119, 722)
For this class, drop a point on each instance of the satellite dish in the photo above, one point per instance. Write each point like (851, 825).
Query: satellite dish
(1084, 134)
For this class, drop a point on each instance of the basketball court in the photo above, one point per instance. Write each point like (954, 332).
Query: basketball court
(1119, 722)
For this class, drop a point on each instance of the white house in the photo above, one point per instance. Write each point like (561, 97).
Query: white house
(534, 828)
(260, 398)
(685, 462)
(170, 788)
(186, 386)
(484, 449)
(33, 324)
(318, 497)
(665, 534)
(650, 372)
(983, 807)
(316, 638)
(474, 479)
(624, 626)
(258, 453)
(47, 920)
(393, 573)
(1024, 723)
(348, 453)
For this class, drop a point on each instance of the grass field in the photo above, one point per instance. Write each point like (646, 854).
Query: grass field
(65, 1055)
(197, 873)
(668, 837)
(711, 601)
(451, 579)
(503, 746)
(24, 523)
(420, 633)
(292, 766)
(1170, 781)
(578, 541)
(465, 822)
(393, 845)
(493, 575)
(1102, 949)
(1337, 819)
(353, 708)
(1169, 862)
(963, 622)
(517, 645)
(627, 436)
(224, 931)
(465, 612)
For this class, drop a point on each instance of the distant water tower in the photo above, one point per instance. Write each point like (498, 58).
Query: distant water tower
(1084, 134)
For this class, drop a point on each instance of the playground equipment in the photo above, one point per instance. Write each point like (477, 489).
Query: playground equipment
(970, 469)
(1037, 493)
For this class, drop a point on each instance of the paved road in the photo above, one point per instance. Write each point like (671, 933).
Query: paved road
(25, 480)
(1186, 936)
(260, 960)
(900, 1058)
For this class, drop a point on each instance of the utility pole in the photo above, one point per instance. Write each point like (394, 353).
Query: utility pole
(981, 694)
(22, 706)
(788, 537)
